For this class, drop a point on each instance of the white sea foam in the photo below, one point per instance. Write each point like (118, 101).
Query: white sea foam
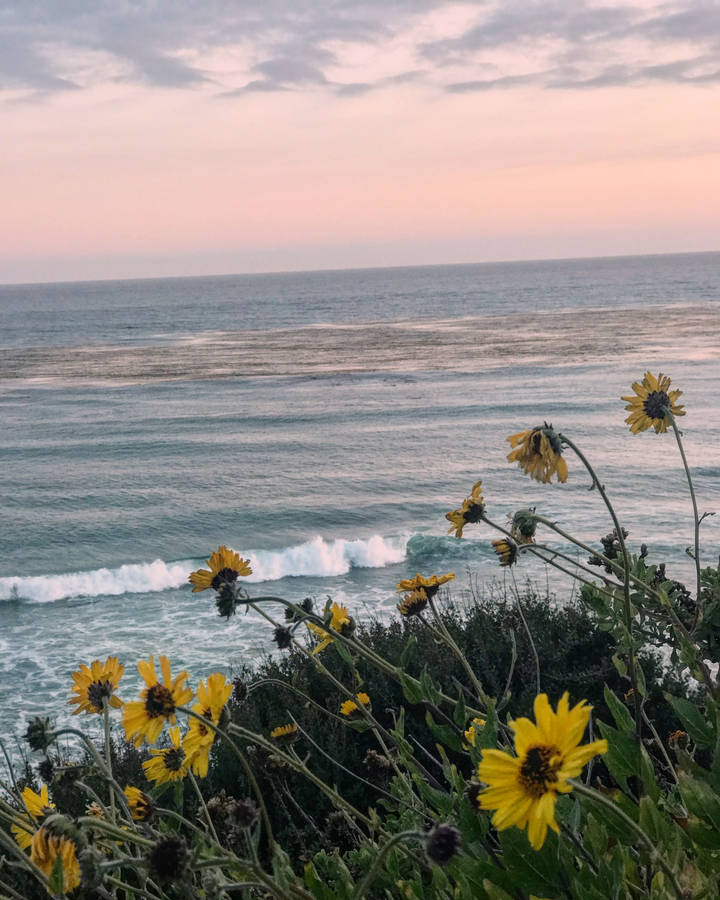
(316, 558)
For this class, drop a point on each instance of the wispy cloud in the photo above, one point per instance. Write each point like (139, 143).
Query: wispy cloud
(286, 44)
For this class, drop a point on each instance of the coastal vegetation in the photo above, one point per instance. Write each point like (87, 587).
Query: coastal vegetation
(495, 745)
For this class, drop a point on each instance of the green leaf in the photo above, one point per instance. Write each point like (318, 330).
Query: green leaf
(620, 713)
(623, 756)
(700, 799)
(56, 881)
(443, 733)
(459, 714)
(701, 731)
(412, 689)
(407, 651)
(535, 871)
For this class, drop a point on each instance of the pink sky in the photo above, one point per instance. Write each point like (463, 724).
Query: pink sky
(433, 140)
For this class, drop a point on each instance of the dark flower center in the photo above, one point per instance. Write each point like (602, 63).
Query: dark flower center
(657, 404)
(174, 758)
(159, 702)
(537, 771)
(202, 727)
(474, 513)
(224, 576)
(168, 858)
(98, 690)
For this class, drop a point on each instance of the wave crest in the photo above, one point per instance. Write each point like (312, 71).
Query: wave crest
(316, 558)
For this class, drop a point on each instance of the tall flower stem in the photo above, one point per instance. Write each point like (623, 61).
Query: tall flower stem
(449, 640)
(647, 844)
(696, 520)
(252, 781)
(527, 631)
(632, 660)
(108, 753)
(203, 806)
(367, 881)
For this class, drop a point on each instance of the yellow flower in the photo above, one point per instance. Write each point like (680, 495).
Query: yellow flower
(144, 719)
(142, 807)
(523, 789)
(471, 734)
(539, 453)
(167, 763)
(96, 683)
(430, 585)
(351, 707)
(285, 734)
(46, 847)
(652, 404)
(340, 621)
(471, 511)
(413, 603)
(506, 551)
(225, 566)
(38, 806)
(199, 738)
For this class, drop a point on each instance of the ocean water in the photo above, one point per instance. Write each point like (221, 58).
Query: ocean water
(321, 424)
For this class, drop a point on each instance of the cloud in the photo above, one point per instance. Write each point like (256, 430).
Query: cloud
(571, 44)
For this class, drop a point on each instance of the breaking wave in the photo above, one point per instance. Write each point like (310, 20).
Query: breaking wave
(316, 558)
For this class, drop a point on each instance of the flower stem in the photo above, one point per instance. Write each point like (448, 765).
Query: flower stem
(367, 881)
(648, 845)
(108, 754)
(632, 661)
(696, 520)
(203, 805)
(246, 768)
(527, 632)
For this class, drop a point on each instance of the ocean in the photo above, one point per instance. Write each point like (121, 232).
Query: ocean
(321, 423)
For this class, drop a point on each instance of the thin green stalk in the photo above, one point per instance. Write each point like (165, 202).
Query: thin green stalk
(114, 831)
(101, 765)
(379, 859)
(647, 844)
(632, 663)
(203, 805)
(527, 632)
(11, 892)
(246, 768)
(108, 754)
(345, 691)
(696, 520)
(131, 890)
(302, 768)
(448, 638)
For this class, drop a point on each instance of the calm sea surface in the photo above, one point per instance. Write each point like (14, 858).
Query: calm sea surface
(321, 424)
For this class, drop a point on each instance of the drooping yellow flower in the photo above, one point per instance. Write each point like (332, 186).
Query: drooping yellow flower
(506, 551)
(167, 763)
(142, 807)
(225, 566)
(340, 621)
(538, 452)
(471, 734)
(430, 585)
(46, 847)
(352, 707)
(199, 739)
(471, 511)
(652, 404)
(413, 603)
(144, 719)
(38, 806)
(285, 734)
(96, 683)
(523, 789)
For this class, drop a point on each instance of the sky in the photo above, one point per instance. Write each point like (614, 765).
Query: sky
(143, 138)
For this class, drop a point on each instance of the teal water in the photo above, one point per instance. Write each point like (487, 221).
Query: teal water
(321, 424)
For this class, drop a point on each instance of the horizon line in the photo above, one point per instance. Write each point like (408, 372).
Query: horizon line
(311, 271)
